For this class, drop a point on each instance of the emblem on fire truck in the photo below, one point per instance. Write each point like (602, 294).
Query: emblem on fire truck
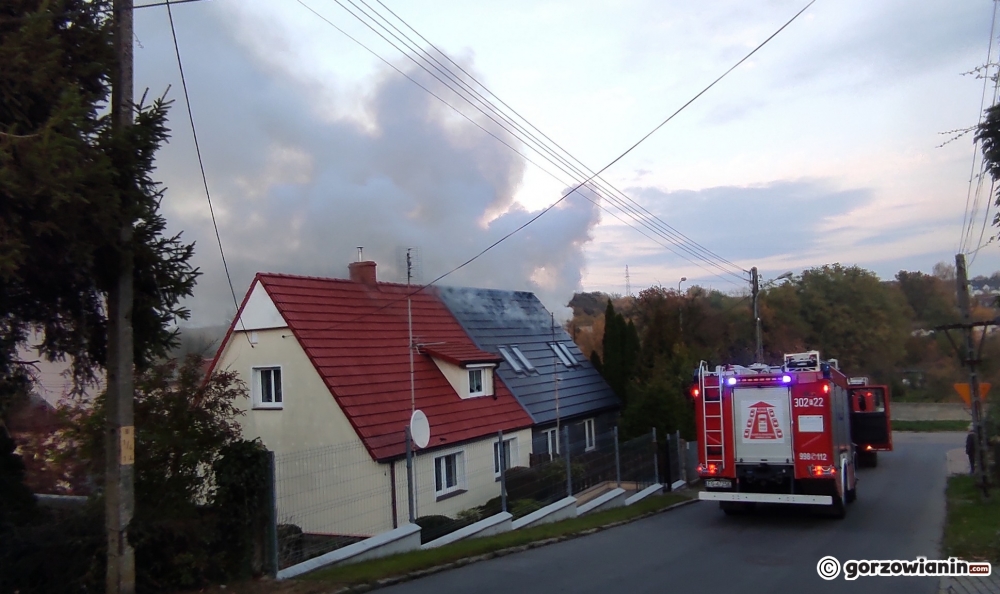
(762, 423)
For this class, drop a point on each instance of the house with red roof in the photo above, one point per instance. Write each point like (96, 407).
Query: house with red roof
(328, 364)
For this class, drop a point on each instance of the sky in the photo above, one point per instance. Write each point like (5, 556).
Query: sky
(823, 147)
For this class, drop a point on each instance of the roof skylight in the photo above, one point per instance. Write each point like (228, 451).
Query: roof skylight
(555, 346)
(569, 354)
(511, 360)
(524, 360)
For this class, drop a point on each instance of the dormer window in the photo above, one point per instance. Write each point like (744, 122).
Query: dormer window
(476, 382)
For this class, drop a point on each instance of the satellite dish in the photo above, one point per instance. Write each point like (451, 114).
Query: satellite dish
(420, 429)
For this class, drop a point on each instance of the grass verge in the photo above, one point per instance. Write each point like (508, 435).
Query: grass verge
(370, 571)
(970, 529)
(924, 426)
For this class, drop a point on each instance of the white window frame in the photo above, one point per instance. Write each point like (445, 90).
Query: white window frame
(551, 438)
(482, 381)
(258, 389)
(528, 367)
(590, 434)
(510, 447)
(511, 360)
(440, 465)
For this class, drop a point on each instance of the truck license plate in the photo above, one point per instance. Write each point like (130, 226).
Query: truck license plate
(718, 484)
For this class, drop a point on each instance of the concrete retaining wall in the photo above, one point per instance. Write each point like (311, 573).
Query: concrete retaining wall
(563, 509)
(652, 490)
(402, 539)
(485, 527)
(613, 498)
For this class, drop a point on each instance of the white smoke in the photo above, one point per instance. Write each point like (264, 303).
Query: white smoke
(297, 188)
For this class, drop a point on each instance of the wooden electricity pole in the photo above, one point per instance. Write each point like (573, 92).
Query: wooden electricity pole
(755, 291)
(119, 480)
(971, 359)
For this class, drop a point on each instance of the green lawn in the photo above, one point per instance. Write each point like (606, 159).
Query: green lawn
(370, 571)
(930, 425)
(972, 527)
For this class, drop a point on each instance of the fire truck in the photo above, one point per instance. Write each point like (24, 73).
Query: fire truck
(775, 434)
(871, 427)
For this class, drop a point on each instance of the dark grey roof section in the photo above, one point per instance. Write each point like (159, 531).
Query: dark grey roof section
(508, 319)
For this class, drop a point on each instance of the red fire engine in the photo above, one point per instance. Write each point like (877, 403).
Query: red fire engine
(871, 426)
(775, 434)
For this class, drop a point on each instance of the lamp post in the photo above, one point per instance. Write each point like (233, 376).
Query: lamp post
(680, 316)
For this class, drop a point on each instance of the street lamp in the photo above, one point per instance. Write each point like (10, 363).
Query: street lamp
(683, 278)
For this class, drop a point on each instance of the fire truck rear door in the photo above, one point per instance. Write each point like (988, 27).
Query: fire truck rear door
(763, 431)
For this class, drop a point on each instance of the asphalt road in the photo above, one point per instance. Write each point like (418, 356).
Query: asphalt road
(898, 515)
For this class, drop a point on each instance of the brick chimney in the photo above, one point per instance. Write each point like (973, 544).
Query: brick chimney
(363, 272)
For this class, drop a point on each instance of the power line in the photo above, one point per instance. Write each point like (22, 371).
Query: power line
(663, 229)
(197, 149)
(982, 170)
(501, 140)
(969, 216)
(678, 242)
(166, 3)
(581, 184)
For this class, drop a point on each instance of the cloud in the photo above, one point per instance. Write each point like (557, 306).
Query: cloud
(297, 186)
(752, 222)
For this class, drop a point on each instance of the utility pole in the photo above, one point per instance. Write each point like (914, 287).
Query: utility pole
(755, 291)
(119, 479)
(971, 359)
(628, 283)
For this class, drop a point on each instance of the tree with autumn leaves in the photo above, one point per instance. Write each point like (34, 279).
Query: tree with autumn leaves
(845, 312)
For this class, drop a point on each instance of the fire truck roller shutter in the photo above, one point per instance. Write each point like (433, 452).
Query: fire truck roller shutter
(763, 428)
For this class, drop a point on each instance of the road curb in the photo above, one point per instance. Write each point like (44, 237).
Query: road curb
(413, 575)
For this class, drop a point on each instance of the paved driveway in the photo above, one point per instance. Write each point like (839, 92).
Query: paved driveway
(898, 515)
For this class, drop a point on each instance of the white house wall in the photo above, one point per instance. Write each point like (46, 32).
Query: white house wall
(260, 312)
(327, 480)
(480, 483)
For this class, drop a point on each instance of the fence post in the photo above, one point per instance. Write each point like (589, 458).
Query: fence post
(272, 516)
(569, 466)
(409, 474)
(503, 471)
(618, 461)
(681, 471)
(656, 460)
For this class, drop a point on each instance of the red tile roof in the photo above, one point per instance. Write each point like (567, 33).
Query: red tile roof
(356, 336)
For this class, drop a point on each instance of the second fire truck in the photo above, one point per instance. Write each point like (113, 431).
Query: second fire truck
(776, 434)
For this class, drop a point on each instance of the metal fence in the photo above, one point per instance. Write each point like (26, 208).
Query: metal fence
(327, 498)
(330, 497)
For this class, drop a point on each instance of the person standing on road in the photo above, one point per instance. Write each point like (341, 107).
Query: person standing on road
(970, 451)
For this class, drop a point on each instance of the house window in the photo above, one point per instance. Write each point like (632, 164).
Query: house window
(511, 360)
(267, 387)
(509, 453)
(551, 442)
(447, 472)
(591, 434)
(476, 382)
(524, 360)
